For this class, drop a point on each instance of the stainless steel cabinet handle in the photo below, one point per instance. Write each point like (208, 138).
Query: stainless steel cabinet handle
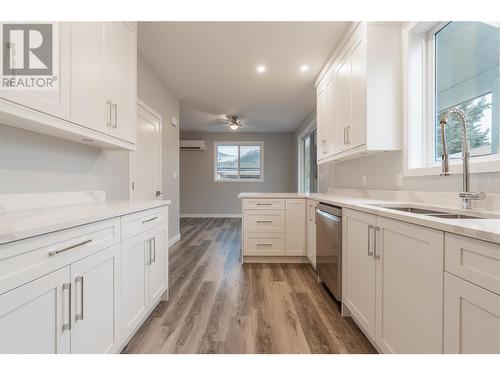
(375, 254)
(115, 111)
(264, 244)
(264, 204)
(79, 280)
(148, 220)
(348, 128)
(108, 108)
(323, 146)
(153, 243)
(345, 141)
(67, 326)
(148, 261)
(370, 231)
(55, 252)
(264, 221)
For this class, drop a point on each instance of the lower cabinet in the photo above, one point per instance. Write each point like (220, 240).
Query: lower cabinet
(96, 303)
(35, 317)
(311, 232)
(144, 276)
(295, 232)
(471, 318)
(393, 282)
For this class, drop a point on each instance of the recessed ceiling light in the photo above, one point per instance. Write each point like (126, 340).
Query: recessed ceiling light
(304, 68)
(261, 69)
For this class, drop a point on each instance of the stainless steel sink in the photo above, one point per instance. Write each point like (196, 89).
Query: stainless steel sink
(427, 212)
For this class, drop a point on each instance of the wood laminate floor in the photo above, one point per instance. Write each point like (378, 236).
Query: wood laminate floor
(218, 305)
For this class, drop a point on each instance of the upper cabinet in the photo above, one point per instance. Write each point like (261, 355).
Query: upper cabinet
(359, 94)
(95, 99)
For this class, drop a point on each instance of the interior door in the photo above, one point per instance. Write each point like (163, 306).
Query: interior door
(90, 102)
(121, 46)
(34, 318)
(96, 296)
(158, 260)
(146, 161)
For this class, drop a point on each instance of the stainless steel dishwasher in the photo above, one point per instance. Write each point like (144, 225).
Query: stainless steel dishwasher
(329, 247)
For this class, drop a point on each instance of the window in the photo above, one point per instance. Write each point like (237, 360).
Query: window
(238, 161)
(308, 170)
(452, 64)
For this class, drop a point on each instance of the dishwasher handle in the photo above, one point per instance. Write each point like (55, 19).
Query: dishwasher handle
(328, 215)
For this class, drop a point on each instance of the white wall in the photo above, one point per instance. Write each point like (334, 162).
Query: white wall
(201, 195)
(36, 163)
(154, 92)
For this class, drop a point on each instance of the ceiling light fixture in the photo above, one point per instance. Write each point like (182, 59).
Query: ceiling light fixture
(304, 68)
(234, 127)
(261, 69)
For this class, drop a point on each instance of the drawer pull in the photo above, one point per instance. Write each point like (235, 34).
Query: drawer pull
(148, 220)
(264, 221)
(55, 252)
(264, 244)
(264, 204)
(67, 326)
(79, 280)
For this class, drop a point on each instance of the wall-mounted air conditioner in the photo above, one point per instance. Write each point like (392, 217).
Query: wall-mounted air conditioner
(193, 145)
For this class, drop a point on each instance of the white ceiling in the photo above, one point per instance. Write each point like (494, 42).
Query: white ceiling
(211, 67)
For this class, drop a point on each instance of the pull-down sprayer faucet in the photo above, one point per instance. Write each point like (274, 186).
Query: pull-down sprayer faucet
(466, 195)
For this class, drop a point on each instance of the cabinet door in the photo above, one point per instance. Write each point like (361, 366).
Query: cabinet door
(121, 46)
(410, 262)
(471, 318)
(311, 232)
(90, 105)
(359, 268)
(34, 318)
(322, 128)
(356, 133)
(343, 102)
(295, 227)
(134, 301)
(54, 102)
(158, 263)
(96, 301)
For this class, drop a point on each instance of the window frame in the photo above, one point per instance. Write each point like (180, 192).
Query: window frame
(238, 144)
(419, 106)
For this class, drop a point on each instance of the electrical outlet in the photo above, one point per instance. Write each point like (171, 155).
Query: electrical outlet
(399, 179)
(174, 175)
(364, 180)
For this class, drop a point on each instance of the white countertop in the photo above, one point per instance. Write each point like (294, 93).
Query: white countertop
(487, 229)
(17, 225)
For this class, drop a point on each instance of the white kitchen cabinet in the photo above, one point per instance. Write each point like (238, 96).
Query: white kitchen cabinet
(96, 303)
(311, 232)
(144, 276)
(90, 101)
(409, 283)
(393, 282)
(362, 114)
(35, 317)
(121, 44)
(54, 102)
(295, 227)
(471, 318)
(358, 274)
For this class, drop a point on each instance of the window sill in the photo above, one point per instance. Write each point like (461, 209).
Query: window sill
(243, 180)
(483, 165)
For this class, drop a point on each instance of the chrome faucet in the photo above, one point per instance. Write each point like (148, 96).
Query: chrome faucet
(466, 195)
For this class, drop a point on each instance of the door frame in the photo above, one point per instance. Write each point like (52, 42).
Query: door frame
(300, 154)
(141, 106)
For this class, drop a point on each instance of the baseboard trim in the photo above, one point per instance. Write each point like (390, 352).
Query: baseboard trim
(274, 259)
(211, 215)
(174, 239)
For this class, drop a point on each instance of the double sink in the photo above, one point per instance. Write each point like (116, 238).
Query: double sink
(427, 212)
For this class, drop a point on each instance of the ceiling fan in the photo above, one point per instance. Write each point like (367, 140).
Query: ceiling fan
(233, 121)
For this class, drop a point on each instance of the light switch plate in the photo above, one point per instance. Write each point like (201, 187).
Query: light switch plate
(364, 180)
(174, 121)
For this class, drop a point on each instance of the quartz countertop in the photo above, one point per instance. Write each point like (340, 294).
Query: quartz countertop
(18, 225)
(487, 228)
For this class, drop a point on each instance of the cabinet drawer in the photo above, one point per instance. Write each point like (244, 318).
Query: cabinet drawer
(267, 244)
(25, 260)
(142, 221)
(474, 260)
(263, 204)
(268, 221)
